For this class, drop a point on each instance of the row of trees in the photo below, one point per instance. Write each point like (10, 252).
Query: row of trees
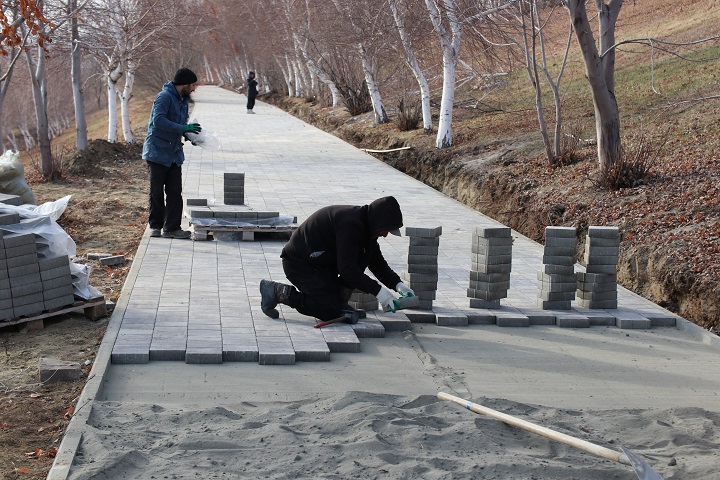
(344, 52)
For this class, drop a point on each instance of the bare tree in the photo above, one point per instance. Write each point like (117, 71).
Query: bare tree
(600, 72)
(81, 139)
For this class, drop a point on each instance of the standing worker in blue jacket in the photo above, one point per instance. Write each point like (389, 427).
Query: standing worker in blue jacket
(252, 92)
(326, 258)
(163, 151)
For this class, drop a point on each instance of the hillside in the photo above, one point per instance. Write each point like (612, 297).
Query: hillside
(670, 222)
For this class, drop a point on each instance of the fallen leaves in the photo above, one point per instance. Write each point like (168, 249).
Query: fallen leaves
(40, 453)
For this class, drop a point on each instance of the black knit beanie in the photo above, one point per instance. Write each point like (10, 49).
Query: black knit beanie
(184, 76)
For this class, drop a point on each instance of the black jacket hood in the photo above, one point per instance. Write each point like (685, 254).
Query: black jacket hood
(384, 214)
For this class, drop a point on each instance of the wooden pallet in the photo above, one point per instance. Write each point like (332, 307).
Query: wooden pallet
(204, 232)
(94, 309)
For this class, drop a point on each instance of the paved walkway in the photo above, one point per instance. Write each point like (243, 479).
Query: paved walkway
(198, 302)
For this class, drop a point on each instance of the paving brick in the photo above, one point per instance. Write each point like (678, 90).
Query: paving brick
(553, 305)
(424, 242)
(341, 338)
(597, 318)
(52, 370)
(593, 250)
(603, 232)
(22, 271)
(510, 317)
(555, 277)
(20, 260)
(481, 268)
(480, 242)
(395, 322)
(235, 189)
(62, 291)
(489, 260)
(480, 316)
(21, 250)
(560, 232)
(56, 282)
(275, 350)
(113, 260)
(591, 242)
(571, 320)
(11, 240)
(420, 316)
(420, 250)
(568, 252)
(28, 308)
(368, 328)
(493, 286)
(557, 269)
(423, 259)
(10, 199)
(492, 232)
(606, 269)
(52, 263)
(491, 249)
(233, 176)
(425, 295)
(561, 242)
(554, 286)
(596, 278)
(556, 296)
(427, 269)
(594, 296)
(196, 202)
(485, 295)
(558, 260)
(489, 277)
(423, 232)
(538, 317)
(9, 218)
(450, 318)
(487, 304)
(27, 289)
(58, 302)
(599, 304)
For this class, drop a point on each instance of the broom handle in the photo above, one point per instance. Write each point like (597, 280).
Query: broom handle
(537, 429)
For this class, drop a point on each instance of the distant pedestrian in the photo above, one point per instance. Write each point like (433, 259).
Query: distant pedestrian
(163, 151)
(251, 92)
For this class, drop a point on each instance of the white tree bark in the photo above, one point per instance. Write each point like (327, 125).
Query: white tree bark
(81, 140)
(38, 80)
(414, 65)
(125, 97)
(113, 77)
(369, 69)
(450, 43)
(320, 73)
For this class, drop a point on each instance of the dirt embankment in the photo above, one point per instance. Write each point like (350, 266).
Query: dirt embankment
(507, 181)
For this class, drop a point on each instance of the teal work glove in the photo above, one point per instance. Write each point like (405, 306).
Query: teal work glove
(404, 290)
(192, 128)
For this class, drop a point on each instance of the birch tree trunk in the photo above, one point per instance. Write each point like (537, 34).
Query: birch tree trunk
(81, 141)
(369, 71)
(450, 43)
(414, 65)
(113, 77)
(38, 80)
(600, 72)
(125, 97)
(317, 71)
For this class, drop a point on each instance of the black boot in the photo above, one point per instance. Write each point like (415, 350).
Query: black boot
(273, 293)
(345, 294)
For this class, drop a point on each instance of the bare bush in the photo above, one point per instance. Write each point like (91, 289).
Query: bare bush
(408, 115)
(571, 142)
(633, 164)
(59, 156)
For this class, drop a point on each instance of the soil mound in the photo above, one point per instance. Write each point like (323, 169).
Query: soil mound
(100, 155)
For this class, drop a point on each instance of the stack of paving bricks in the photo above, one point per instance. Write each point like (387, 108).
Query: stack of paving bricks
(363, 301)
(491, 261)
(422, 270)
(597, 287)
(30, 285)
(556, 278)
(234, 188)
(226, 215)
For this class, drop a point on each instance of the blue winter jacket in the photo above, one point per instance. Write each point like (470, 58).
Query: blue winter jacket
(169, 114)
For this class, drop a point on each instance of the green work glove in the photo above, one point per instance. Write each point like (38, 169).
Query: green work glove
(192, 128)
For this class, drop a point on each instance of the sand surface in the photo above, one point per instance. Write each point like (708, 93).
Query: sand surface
(368, 435)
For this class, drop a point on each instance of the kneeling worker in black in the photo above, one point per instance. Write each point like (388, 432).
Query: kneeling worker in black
(326, 259)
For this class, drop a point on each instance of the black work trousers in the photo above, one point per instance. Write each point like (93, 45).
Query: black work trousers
(322, 293)
(166, 201)
(251, 102)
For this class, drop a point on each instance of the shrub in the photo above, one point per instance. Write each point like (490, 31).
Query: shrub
(408, 116)
(633, 164)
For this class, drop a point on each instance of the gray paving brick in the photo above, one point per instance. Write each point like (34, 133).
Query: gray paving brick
(491, 250)
(340, 337)
(593, 250)
(598, 304)
(480, 316)
(556, 296)
(368, 328)
(485, 304)
(554, 286)
(571, 320)
(480, 242)
(492, 232)
(27, 289)
(482, 268)
(28, 299)
(597, 318)
(12, 240)
(597, 296)
(560, 232)
(558, 260)
(551, 252)
(557, 269)
(23, 270)
(583, 277)
(603, 232)
(20, 250)
(395, 322)
(538, 317)
(427, 269)
(607, 269)
(510, 317)
(477, 259)
(28, 308)
(420, 316)
(426, 250)
(492, 286)
(423, 259)
(276, 351)
(424, 242)
(48, 264)
(450, 318)
(196, 202)
(486, 295)
(423, 232)
(553, 305)
(203, 355)
(593, 242)
(561, 242)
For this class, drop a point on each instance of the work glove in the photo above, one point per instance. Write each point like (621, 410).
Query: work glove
(404, 290)
(192, 128)
(386, 299)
